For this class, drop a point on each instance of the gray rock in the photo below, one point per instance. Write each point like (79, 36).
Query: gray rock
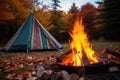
(40, 71)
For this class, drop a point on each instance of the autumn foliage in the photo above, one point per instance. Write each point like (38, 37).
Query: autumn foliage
(13, 14)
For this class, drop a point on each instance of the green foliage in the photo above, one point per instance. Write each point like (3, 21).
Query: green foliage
(110, 19)
(72, 13)
(56, 23)
(55, 5)
(73, 9)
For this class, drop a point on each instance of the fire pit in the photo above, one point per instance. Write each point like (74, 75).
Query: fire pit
(81, 59)
(100, 67)
(91, 69)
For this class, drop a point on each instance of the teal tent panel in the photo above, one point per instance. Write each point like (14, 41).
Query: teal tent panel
(23, 39)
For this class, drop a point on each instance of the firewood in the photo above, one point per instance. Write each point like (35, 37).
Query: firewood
(115, 60)
(112, 56)
(111, 52)
(60, 58)
(85, 60)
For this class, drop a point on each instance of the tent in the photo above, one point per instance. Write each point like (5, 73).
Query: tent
(32, 36)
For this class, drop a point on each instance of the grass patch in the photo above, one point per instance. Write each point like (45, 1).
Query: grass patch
(97, 46)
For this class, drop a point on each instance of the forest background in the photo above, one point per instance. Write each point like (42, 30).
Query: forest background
(101, 23)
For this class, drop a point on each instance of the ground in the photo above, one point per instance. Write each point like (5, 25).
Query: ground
(12, 64)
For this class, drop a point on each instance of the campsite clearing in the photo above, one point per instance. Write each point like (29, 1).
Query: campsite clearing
(23, 62)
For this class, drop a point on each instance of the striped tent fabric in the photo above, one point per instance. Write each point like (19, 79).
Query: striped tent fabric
(32, 36)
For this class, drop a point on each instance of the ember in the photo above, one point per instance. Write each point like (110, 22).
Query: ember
(82, 53)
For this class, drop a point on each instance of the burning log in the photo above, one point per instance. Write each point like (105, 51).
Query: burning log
(84, 59)
(110, 52)
(60, 58)
(112, 55)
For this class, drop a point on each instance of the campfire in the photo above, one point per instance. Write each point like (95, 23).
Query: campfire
(82, 59)
(81, 53)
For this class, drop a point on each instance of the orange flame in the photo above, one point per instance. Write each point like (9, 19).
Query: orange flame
(82, 53)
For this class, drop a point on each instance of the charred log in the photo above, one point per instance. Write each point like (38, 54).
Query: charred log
(60, 58)
(111, 52)
(113, 56)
